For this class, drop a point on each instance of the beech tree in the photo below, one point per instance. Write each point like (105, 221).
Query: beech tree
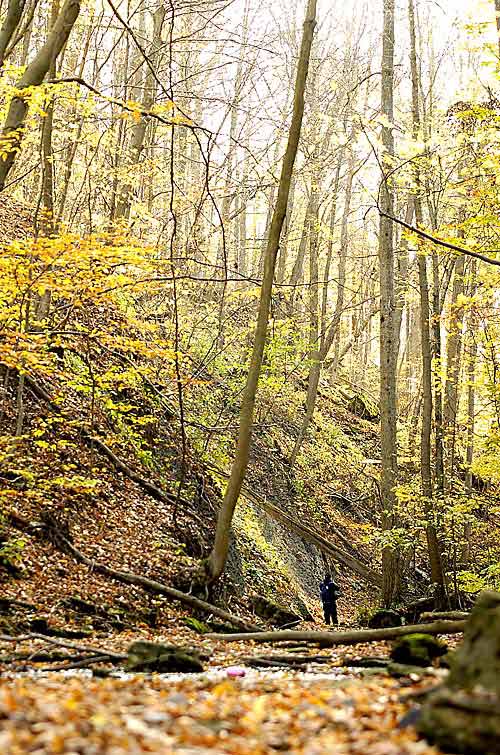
(389, 339)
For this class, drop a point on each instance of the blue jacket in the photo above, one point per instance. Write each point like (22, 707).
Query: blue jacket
(329, 592)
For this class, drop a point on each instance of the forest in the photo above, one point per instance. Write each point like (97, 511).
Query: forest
(250, 377)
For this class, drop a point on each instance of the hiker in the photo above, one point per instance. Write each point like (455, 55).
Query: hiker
(330, 591)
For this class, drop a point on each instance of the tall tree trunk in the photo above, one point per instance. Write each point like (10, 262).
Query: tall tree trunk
(12, 133)
(283, 253)
(73, 146)
(438, 383)
(126, 191)
(388, 339)
(314, 340)
(453, 362)
(433, 544)
(218, 556)
(329, 248)
(471, 413)
(47, 223)
(333, 336)
(298, 265)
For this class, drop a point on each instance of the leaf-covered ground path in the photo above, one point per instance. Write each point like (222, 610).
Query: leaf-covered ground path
(327, 709)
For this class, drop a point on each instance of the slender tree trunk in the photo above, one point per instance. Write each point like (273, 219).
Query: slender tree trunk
(342, 269)
(388, 339)
(453, 363)
(283, 253)
(42, 303)
(433, 544)
(298, 265)
(471, 411)
(217, 559)
(329, 249)
(47, 223)
(15, 10)
(314, 340)
(12, 133)
(402, 276)
(438, 383)
(137, 139)
(73, 146)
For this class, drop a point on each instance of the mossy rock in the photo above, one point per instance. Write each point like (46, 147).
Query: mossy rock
(464, 714)
(468, 724)
(279, 615)
(196, 625)
(153, 656)
(417, 650)
(384, 619)
(364, 407)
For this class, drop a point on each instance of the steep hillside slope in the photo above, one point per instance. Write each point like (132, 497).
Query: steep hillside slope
(93, 442)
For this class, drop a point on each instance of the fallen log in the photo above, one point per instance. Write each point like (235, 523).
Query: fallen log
(344, 638)
(287, 659)
(444, 615)
(39, 528)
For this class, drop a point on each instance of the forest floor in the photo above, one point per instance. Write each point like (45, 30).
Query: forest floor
(325, 708)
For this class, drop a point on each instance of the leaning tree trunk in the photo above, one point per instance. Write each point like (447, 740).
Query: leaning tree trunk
(15, 10)
(463, 714)
(388, 338)
(12, 134)
(218, 556)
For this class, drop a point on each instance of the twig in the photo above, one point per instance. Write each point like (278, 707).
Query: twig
(63, 644)
(82, 663)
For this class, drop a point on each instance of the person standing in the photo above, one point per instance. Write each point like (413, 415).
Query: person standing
(329, 592)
